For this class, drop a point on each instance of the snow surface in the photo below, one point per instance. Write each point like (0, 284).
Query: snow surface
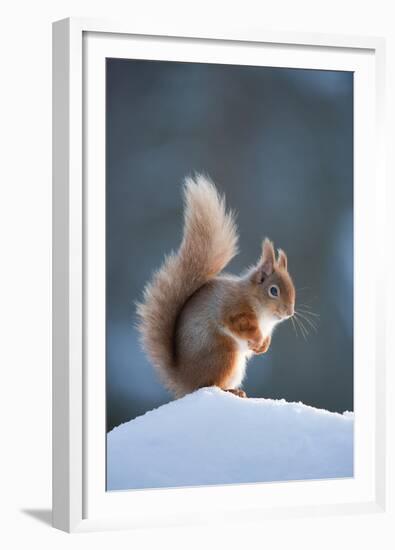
(214, 437)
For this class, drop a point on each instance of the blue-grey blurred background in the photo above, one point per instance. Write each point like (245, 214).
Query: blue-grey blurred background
(279, 143)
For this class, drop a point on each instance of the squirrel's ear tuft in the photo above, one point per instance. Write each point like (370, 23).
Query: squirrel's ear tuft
(282, 259)
(266, 263)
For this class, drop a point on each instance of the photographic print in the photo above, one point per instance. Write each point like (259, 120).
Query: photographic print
(229, 274)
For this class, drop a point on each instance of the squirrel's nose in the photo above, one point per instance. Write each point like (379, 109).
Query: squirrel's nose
(291, 310)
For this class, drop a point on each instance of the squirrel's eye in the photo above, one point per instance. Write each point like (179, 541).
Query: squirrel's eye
(274, 291)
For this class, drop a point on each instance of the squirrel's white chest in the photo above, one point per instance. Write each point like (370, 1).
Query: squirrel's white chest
(266, 326)
(239, 369)
(243, 354)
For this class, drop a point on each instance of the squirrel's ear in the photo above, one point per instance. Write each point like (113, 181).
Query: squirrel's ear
(282, 259)
(267, 261)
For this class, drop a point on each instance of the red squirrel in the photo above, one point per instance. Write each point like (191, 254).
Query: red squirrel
(198, 325)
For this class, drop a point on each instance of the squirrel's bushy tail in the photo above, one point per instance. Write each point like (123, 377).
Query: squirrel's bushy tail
(209, 243)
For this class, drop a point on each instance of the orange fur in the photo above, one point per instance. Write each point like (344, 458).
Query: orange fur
(263, 346)
(198, 326)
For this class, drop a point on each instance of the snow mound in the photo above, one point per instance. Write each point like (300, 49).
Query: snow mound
(213, 437)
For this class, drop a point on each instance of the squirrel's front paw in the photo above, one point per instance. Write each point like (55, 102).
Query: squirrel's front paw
(238, 392)
(260, 347)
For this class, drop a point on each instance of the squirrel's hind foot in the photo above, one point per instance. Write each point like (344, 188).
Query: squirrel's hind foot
(239, 393)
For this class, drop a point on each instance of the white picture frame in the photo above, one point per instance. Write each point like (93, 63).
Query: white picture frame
(80, 501)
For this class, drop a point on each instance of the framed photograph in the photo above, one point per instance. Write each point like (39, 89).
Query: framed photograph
(218, 206)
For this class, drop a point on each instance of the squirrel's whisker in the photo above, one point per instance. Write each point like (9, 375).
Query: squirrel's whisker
(298, 328)
(293, 325)
(308, 306)
(304, 331)
(307, 312)
(309, 321)
(302, 324)
(302, 328)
